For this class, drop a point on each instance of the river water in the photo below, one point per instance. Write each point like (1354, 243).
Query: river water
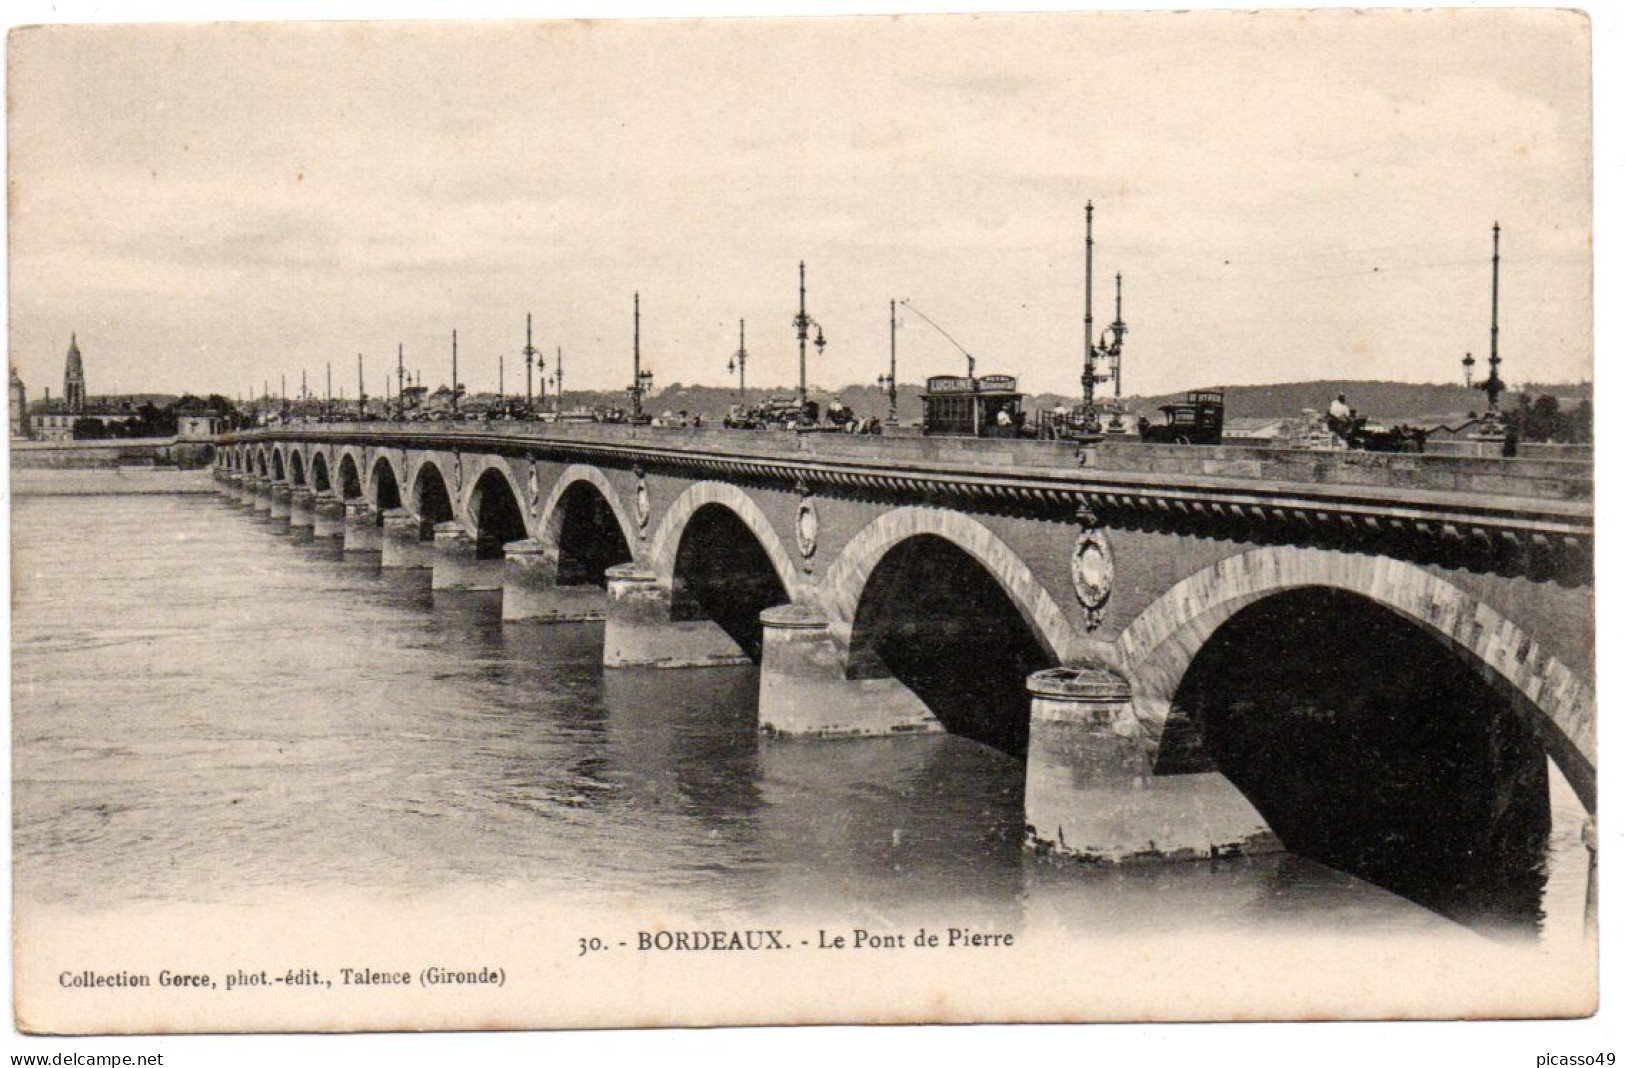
(207, 712)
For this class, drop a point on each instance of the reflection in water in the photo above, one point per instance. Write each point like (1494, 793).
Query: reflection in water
(208, 712)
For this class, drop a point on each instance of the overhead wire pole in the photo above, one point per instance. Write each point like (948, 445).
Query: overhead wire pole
(741, 356)
(558, 375)
(640, 377)
(454, 369)
(361, 385)
(1493, 385)
(1089, 306)
(1118, 329)
(891, 376)
(400, 377)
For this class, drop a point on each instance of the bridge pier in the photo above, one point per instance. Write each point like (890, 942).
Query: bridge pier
(456, 567)
(362, 531)
(329, 516)
(639, 630)
(804, 688)
(403, 544)
(281, 502)
(259, 496)
(530, 589)
(1091, 793)
(301, 509)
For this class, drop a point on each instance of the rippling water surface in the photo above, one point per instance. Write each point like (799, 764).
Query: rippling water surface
(207, 712)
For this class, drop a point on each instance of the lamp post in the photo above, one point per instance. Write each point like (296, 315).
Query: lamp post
(531, 354)
(1114, 353)
(741, 356)
(454, 371)
(1493, 387)
(558, 381)
(1092, 352)
(361, 386)
(888, 381)
(802, 322)
(641, 379)
(1467, 363)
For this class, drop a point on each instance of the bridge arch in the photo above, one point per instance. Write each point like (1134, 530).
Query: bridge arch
(431, 499)
(849, 575)
(279, 470)
(319, 480)
(494, 507)
(349, 485)
(575, 521)
(1159, 647)
(669, 535)
(296, 466)
(384, 486)
(937, 601)
(717, 557)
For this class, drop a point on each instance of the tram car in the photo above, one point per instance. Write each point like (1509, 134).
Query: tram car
(1197, 420)
(971, 407)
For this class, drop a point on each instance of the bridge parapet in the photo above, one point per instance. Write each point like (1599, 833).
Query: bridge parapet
(1544, 479)
(1488, 514)
(1538, 478)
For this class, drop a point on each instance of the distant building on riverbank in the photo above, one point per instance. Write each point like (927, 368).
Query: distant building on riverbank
(19, 406)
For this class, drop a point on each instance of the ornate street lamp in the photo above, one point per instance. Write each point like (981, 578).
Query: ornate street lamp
(1114, 356)
(801, 322)
(1467, 363)
(532, 356)
(1092, 352)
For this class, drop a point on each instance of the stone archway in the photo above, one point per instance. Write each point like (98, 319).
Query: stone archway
(843, 586)
(384, 485)
(667, 537)
(550, 520)
(1156, 650)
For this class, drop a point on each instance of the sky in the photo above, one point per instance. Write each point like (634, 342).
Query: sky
(1288, 196)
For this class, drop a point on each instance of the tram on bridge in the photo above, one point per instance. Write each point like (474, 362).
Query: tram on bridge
(968, 406)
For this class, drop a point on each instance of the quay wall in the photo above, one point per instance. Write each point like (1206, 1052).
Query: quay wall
(108, 481)
(130, 452)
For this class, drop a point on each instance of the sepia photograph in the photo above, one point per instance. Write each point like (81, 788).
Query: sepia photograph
(931, 518)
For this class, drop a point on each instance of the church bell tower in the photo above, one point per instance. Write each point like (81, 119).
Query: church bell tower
(73, 379)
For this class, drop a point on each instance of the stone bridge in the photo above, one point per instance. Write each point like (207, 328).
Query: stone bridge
(1069, 606)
